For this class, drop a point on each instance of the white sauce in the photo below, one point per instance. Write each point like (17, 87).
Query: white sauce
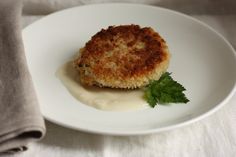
(100, 98)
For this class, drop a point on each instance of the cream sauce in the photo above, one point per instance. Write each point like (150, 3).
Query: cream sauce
(100, 98)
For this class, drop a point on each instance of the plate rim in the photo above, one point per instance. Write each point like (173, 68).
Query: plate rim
(146, 131)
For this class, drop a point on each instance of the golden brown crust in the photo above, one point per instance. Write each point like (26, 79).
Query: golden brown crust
(120, 55)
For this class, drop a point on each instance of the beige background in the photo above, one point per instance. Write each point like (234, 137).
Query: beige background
(186, 6)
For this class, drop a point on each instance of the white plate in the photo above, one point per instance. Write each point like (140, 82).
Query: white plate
(202, 60)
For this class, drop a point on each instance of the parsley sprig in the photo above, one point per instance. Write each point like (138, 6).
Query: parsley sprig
(165, 91)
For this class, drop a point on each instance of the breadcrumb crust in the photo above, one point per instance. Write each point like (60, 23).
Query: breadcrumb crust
(125, 56)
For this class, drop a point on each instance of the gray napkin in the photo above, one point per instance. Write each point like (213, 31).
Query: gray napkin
(20, 119)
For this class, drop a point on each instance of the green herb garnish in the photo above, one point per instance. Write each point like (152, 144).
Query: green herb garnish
(165, 91)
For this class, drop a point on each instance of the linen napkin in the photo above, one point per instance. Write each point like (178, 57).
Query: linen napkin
(20, 119)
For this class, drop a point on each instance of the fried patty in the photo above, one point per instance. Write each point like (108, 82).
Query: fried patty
(125, 56)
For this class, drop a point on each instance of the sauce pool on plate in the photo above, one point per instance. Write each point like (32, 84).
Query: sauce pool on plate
(101, 98)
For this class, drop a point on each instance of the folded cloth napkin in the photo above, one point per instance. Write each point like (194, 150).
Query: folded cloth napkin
(20, 119)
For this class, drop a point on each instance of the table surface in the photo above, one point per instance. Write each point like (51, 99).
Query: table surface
(214, 136)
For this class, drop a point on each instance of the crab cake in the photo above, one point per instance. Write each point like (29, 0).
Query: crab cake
(125, 56)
